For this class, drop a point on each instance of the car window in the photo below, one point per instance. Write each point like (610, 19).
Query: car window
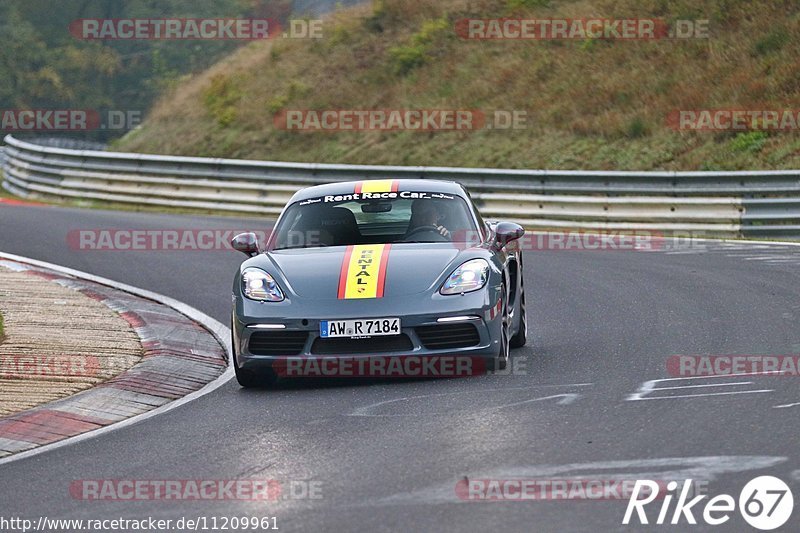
(352, 219)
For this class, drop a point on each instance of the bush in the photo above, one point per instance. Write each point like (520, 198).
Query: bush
(636, 128)
(279, 102)
(771, 42)
(526, 4)
(375, 22)
(220, 100)
(749, 142)
(405, 58)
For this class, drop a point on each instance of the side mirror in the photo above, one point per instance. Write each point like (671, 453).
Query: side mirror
(506, 232)
(247, 243)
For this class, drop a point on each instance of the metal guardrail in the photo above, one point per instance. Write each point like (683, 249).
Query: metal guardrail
(748, 203)
(66, 142)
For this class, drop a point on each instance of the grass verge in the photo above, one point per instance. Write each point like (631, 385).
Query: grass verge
(590, 104)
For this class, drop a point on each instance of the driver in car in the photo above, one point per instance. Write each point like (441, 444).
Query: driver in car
(426, 215)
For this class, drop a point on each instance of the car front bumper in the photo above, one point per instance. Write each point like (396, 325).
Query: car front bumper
(255, 321)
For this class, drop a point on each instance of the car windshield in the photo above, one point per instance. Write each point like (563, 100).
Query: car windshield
(393, 218)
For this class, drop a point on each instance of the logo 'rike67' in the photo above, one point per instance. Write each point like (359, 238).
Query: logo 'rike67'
(765, 503)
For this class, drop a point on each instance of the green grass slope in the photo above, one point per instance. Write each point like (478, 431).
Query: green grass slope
(591, 104)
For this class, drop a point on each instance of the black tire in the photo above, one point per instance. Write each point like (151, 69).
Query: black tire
(251, 379)
(520, 338)
(500, 362)
(248, 379)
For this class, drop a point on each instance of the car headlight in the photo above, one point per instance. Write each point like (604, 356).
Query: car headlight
(258, 285)
(469, 277)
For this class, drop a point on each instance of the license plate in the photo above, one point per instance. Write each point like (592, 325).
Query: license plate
(360, 327)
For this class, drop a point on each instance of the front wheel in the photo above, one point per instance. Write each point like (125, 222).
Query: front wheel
(521, 337)
(250, 379)
(500, 362)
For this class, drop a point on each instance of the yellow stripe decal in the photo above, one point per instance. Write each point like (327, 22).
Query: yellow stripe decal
(363, 277)
(372, 186)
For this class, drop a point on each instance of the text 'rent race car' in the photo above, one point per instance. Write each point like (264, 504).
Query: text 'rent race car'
(381, 277)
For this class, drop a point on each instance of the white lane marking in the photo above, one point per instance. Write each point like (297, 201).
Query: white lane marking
(777, 252)
(722, 245)
(764, 258)
(785, 406)
(704, 386)
(746, 241)
(704, 395)
(566, 400)
(220, 331)
(671, 468)
(649, 387)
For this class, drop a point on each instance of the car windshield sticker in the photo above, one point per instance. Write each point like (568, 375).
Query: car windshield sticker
(366, 195)
(363, 273)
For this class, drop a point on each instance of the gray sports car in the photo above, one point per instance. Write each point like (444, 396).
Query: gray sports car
(378, 278)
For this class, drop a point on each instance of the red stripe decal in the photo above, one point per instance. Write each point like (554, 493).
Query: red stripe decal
(359, 185)
(395, 185)
(382, 271)
(343, 272)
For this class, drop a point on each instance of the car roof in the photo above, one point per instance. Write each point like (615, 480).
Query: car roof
(349, 187)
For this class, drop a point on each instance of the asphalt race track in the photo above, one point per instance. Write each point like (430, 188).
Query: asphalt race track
(388, 455)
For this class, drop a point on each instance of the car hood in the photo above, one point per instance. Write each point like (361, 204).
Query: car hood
(316, 272)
